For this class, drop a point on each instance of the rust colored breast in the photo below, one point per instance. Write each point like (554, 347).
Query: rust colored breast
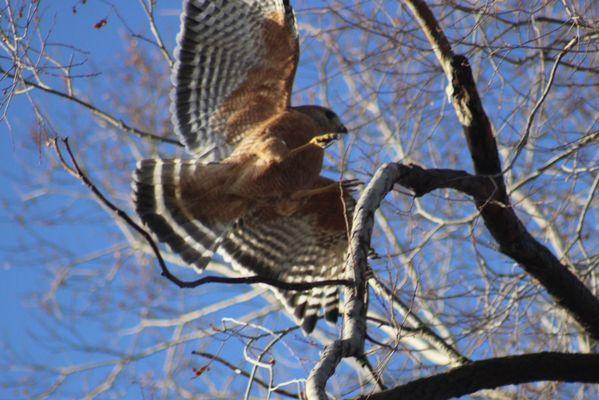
(333, 209)
(278, 159)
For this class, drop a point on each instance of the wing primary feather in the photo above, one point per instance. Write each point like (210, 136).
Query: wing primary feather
(235, 62)
(223, 57)
(161, 206)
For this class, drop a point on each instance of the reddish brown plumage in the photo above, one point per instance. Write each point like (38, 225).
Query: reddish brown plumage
(263, 205)
(266, 91)
(267, 168)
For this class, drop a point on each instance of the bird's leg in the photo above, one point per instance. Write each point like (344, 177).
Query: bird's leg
(347, 184)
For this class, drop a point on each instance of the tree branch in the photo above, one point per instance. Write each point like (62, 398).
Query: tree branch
(524, 140)
(495, 372)
(506, 228)
(415, 325)
(513, 238)
(239, 371)
(117, 123)
(354, 317)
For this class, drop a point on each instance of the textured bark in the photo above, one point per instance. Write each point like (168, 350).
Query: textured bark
(513, 238)
(500, 219)
(354, 317)
(511, 235)
(495, 372)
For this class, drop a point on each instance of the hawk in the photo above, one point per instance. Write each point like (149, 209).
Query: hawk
(252, 191)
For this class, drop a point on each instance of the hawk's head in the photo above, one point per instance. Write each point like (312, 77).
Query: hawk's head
(325, 118)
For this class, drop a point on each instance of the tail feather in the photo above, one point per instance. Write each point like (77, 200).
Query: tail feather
(168, 210)
(331, 303)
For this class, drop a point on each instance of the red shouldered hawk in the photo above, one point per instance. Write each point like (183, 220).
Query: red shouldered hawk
(261, 202)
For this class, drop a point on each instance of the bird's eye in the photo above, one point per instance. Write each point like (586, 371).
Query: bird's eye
(329, 114)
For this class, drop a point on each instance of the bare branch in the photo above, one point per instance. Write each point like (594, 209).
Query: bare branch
(433, 32)
(524, 140)
(495, 372)
(513, 238)
(507, 229)
(239, 371)
(149, 10)
(417, 326)
(354, 329)
(117, 123)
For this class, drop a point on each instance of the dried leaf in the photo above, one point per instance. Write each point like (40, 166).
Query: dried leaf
(100, 24)
(199, 372)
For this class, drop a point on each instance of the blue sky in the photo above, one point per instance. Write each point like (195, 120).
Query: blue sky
(20, 276)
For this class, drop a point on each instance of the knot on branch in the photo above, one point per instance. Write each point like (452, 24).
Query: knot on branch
(416, 178)
(461, 71)
(471, 114)
(462, 91)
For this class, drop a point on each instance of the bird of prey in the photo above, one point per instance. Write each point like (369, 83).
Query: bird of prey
(252, 190)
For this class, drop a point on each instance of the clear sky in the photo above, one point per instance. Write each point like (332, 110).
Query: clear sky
(72, 22)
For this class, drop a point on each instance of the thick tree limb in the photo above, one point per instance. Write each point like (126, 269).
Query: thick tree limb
(422, 181)
(513, 238)
(495, 372)
(484, 191)
(488, 190)
(506, 228)
(354, 318)
(435, 35)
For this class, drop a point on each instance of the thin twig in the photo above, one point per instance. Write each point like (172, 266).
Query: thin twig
(591, 137)
(417, 325)
(239, 371)
(120, 124)
(524, 140)
(149, 10)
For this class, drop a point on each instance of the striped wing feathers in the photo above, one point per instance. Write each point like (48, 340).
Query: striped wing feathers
(161, 204)
(235, 64)
(307, 246)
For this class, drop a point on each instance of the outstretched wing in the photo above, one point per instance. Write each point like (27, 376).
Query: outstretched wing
(235, 64)
(307, 246)
(166, 194)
